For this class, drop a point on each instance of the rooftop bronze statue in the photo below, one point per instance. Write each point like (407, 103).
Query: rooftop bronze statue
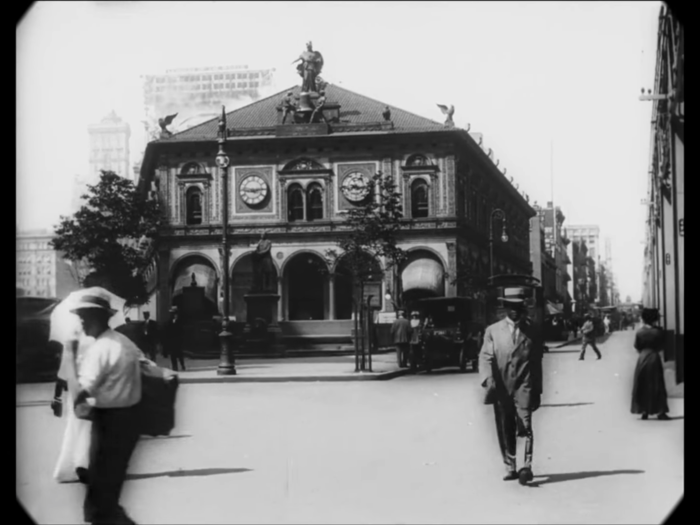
(318, 110)
(288, 107)
(310, 68)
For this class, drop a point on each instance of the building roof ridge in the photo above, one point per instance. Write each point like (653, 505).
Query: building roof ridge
(385, 104)
(228, 113)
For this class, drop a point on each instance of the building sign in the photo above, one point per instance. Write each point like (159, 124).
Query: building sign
(374, 290)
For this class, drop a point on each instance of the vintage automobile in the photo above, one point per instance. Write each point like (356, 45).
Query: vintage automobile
(450, 336)
(37, 359)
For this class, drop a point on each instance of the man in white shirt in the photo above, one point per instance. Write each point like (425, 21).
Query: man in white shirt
(110, 374)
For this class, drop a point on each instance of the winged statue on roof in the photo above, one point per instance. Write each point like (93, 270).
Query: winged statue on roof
(448, 112)
(164, 123)
(310, 68)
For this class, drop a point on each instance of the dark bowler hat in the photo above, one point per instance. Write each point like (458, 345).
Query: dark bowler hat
(93, 301)
(513, 295)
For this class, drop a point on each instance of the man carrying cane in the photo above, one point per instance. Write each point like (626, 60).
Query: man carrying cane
(510, 369)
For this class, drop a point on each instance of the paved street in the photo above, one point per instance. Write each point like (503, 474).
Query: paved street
(416, 449)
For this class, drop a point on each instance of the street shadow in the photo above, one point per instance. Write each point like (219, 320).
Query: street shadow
(188, 473)
(555, 351)
(156, 438)
(25, 404)
(552, 405)
(573, 476)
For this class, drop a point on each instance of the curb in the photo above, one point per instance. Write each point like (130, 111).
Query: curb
(359, 376)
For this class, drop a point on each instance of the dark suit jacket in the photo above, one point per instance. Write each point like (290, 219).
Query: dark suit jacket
(152, 337)
(512, 370)
(401, 331)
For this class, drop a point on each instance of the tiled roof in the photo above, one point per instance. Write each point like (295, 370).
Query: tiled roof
(354, 109)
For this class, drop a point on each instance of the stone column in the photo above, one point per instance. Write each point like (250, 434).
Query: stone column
(163, 285)
(282, 301)
(434, 201)
(331, 296)
(207, 211)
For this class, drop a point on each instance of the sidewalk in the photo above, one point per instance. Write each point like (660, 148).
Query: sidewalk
(305, 369)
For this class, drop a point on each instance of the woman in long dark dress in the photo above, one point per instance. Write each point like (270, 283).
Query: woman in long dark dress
(649, 390)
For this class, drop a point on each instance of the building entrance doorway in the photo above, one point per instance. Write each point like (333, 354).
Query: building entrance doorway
(306, 288)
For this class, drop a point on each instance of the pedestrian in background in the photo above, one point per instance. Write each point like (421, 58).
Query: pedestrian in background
(110, 376)
(415, 343)
(606, 322)
(150, 336)
(401, 336)
(510, 369)
(649, 388)
(588, 334)
(172, 344)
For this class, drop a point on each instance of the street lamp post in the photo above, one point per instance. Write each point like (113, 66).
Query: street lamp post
(496, 214)
(227, 362)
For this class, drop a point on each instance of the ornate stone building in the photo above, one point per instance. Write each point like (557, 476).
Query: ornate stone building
(293, 181)
(664, 253)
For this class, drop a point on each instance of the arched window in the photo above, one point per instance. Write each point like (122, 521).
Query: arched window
(314, 202)
(419, 199)
(295, 203)
(194, 206)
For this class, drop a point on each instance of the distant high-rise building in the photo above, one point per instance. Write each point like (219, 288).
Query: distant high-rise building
(40, 271)
(109, 151)
(197, 94)
(109, 148)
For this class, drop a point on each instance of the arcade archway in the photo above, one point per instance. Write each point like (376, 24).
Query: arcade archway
(194, 285)
(306, 278)
(241, 284)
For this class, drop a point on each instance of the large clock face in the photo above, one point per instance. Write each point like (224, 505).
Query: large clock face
(253, 190)
(355, 186)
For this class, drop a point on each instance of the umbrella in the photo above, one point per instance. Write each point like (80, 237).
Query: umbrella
(66, 326)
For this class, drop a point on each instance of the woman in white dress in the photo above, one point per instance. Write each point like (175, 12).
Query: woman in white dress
(74, 458)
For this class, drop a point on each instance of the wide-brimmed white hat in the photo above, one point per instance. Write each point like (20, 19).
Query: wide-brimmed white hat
(513, 295)
(93, 301)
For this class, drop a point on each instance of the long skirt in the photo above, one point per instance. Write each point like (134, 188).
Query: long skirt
(649, 390)
(75, 449)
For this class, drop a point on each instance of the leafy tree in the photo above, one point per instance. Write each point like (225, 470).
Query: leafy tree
(112, 234)
(373, 236)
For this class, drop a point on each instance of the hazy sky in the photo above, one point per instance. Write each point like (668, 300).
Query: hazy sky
(525, 74)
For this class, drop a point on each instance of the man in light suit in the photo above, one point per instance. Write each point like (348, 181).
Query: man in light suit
(510, 369)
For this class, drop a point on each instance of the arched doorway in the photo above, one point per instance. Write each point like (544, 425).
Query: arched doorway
(194, 285)
(344, 289)
(422, 275)
(241, 283)
(305, 275)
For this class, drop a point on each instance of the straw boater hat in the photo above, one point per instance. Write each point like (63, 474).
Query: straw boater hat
(93, 301)
(513, 295)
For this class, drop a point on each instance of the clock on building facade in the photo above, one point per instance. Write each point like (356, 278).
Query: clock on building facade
(253, 190)
(355, 186)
